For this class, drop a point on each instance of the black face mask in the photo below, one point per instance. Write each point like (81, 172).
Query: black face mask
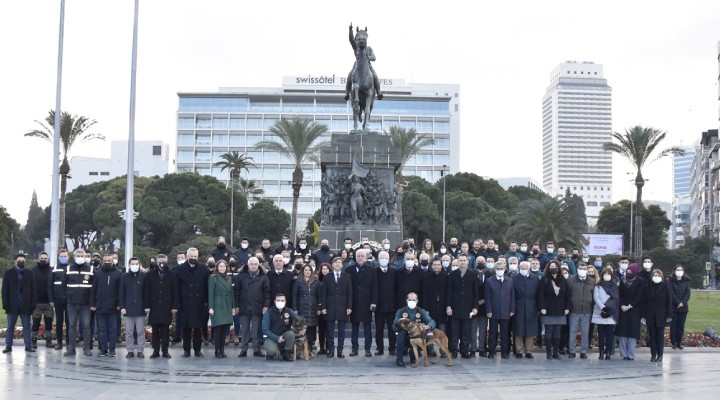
(107, 265)
(221, 246)
(192, 261)
(424, 263)
(325, 247)
(95, 262)
(553, 270)
(481, 266)
(233, 263)
(575, 256)
(20, 264)
(153, 264)
(43, 264)
(536, 251)
(210, 265)
(162, 266)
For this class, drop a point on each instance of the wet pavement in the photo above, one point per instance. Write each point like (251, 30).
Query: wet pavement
(688, 374)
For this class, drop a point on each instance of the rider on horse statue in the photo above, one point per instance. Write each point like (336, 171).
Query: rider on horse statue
(360, 44)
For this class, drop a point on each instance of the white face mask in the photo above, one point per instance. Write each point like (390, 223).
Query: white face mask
(383, 262)
(454, 267)
(623, 266)
(286, 260)
(303, 246)
(585, 259)
(607, 278)
(679, 274)
(523, 248)
(524, 272)
(647, 266)
(386, 246)
(348, 246)
(411, 304)
(550, 249)
(499, 273)
(566, 275)
(582, 273)
(79, 260)
(244, 245)
(279, 305)
(535, 268)
(657, 279)
(490, 265)
(409, 264)
(285, 242)
(513, 267)
(180, 261)
(134, 268)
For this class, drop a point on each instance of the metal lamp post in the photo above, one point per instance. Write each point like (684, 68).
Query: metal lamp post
(442, 176)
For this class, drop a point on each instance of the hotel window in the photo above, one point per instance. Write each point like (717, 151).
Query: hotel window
(157, 150)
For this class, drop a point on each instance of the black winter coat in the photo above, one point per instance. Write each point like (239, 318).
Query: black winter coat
(252, 293)
(161, 296)
(15, 302)
(433, 298)
(658, 305)
(78, 283)
(462, 293)
(336, 298)
(628, 324)
(193, 288)
(365, 291)
(525, 322)
(281, 283)
(57, 291)
(408, 282)
(105, 294)
(554, 305)
(132, 294)
(306, 297)
(387, 289)
(680, 291)
(41, 283)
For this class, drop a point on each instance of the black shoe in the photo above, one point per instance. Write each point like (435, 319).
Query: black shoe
(58, 346)
(186, 354)
(7, 350)
(556, 356)
(583, 356)
(658, 359)
(562, 352)
(242, 354)
(471, 354)
(529, 355)
(607, 356)
(353, 353)
(258, 354)
(30, 350)
(518, 355)
(391, 352)
(87, 353)
(653, 359)
(199, 354)
(330, 354)
(379, 353)
(680, 347)
(155, 355)
(490, 356)
(130, 354)
(368, 353)
(571, 355)
(340, 354)
(380, 96)
(346, 97)
(268, 357)
(69, 352)
(49, 344)
(465, 355)
(102, 353)
(218, 354)
(673, 346)
(176, 340)
(166, 355)
(33, 344)
(399, 362)
(505, 356)
(626, 358)
(601, 356)
(454, 355)
(482, 354)
(112, 353)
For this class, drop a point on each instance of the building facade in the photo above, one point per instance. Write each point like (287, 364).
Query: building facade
(152, 157)
(528, 182)
(236, 119)
(680, 215)
(577, 121)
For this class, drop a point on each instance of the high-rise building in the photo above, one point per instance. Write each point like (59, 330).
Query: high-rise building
(236, 119)
(577, 121)
(682, 173)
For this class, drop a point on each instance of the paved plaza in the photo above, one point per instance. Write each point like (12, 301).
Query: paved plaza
(688, 374)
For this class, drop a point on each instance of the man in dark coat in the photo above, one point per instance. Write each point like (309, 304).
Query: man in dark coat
(631, 291)
(58, 297)
(385, 310)
(252, 296)
(525, 323)
(302, 251)
(221, 251)
(161, 300)
(281, 279)
(132, 306)
(499, 308)
(43, 309)
(336, 298)
(409, 279)
(490, 251)
(19, 298)
(324, 255)
(244, 253)
(193, 285)
(104, 300)
(434, 296)
(286, 245)
(581, 308)
(78, 284)
(462, 304)
(479, 323)
(365, 295)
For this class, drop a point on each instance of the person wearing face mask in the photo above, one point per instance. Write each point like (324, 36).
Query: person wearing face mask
(386, 307)
(19, 298)
(514, 252)
(78, 284)
(564, 259)
(58, 298)
(644, 272)
(479, 322)
(276, 327)
(252, 296)
(586, 258)
(242, 254)
(161, 299)
(285, 245)
(409, 278)
(535, 267)
(605, 311)
(548, 255)
(306, 297)
(221, 306)
(462, 299)
(657, 313)
(221, 251)
(287, 261)
(525, 323)
(623, 265)
(323, 255)
(628, 323)
(132, 307)
(386, 244)
(336, 299)
(210, 262)
(192, 286)
(115, 259)
(398, 259)
(499, 308)
(442, 250)
(179, 322)
(680, 291)
(512, 266)
(554, 303)
(414, 313)
(302, 251)
(445, 262)
(43, 309)
(365, 298)
(424, 262)
(525, 251)
(280, 279)
(104, 300)
(180, 260)
(581, 289)
(434, 286)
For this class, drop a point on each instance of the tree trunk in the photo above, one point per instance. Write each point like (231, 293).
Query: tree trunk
(400, 182)
(639, 183)
(64, 172)
(297, 182)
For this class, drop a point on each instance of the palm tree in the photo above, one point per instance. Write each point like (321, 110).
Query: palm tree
(73, 129)
(638, 145)
(235, 163)
(547, 219)
(297, 141)
(249, 189)
(409, 142)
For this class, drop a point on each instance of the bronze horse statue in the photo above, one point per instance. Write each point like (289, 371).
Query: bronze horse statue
(362, 83)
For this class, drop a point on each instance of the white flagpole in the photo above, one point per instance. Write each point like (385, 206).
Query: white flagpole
(55, 196)
(129, 206)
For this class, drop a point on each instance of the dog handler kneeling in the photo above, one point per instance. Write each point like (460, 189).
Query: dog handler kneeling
(276, 327)
(414, 313)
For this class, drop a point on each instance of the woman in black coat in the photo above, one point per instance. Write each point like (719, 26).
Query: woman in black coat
(657, 313)
(680, 291)
(323, 270)
(554, 303)
(628, 327)
(306, 297)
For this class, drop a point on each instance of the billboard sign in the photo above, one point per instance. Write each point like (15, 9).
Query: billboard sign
(602, 244)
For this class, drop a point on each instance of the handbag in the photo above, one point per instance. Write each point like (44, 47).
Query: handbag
(605, 313)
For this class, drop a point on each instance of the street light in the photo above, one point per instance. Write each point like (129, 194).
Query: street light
(442, 176)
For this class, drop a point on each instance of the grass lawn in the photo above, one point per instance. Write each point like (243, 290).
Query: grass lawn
(704, 312)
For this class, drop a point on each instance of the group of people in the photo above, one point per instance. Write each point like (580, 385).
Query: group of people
(477, 295)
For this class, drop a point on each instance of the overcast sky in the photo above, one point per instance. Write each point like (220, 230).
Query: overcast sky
(659, 57)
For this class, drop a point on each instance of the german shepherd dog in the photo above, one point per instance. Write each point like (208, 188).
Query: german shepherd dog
(418, 340)
(300, 347)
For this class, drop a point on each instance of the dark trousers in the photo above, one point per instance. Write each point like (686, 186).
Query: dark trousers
(384, 321)
(61, 317)
(9, 334)
(219, 333)
(403, 345)
(79, 314)
(331, 335)
(107, 330)
(677, 327)
(606, 338)
(322, 331)
(552, 338)
(657, 340)
(160, 337)
(48, 323)
(503, 324)
(92, 322)
(367, 334)
(460, 327)
(179, 327)
(196, 335)
(311, 334)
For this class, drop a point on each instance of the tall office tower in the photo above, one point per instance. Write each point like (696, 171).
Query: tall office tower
(236, 119)
(577, 120)
(682, 172)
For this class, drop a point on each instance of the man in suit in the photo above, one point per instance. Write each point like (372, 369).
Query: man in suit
(385, 311)
(336, 301)
(499, 308)
(462, 304)
(281, 279)
(193, 285)
(365, 295)
(19, 298)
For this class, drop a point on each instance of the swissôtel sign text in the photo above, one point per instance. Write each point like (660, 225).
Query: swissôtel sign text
(332, 80)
